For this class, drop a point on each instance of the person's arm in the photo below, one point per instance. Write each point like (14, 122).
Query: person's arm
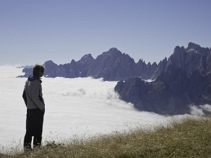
(24, 96)
(36, 93)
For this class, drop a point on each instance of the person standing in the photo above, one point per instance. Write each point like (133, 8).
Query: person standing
(35, 105)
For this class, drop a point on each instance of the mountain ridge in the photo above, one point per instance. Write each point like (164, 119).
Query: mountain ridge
(183, 80)
(111, 65)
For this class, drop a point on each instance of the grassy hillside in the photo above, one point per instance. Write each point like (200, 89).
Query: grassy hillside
(192, 139)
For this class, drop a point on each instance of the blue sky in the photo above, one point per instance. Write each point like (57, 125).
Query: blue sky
(33, 31)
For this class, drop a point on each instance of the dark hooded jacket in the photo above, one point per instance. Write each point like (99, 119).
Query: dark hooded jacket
(32, 94)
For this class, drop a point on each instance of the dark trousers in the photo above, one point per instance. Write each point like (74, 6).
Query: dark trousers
(34, 125)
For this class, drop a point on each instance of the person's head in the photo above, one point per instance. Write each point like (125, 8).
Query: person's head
(38, 71)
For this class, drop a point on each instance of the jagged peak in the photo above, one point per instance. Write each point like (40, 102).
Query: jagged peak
(196, 48)
(152, 64)
(49, 62)
(141, 61)
(114, 49)
(86, 57)
(165, 60)
(72, 61)
(179, 49)
(192, 45)
(112, 52)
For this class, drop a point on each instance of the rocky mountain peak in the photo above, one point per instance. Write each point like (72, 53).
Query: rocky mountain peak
(114, 49)
(113, 52)
(194, 46)
(86, 58)
(178, 50)
(141, 61)
(49, 63)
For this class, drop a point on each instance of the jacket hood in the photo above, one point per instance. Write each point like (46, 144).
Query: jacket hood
(32, 78)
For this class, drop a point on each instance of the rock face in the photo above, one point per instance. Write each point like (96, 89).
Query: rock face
(112, 65)
(182, 80)
(167, 95)
(193, 58)
(51, 68)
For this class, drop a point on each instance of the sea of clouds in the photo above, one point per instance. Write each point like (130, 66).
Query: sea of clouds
(75, 108)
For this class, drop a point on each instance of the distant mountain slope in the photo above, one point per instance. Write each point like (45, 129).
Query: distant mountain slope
(183, 79)
(110, 65)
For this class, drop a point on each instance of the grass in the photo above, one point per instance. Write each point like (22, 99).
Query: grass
(189, 139)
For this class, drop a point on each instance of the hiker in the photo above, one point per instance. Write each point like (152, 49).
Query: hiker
(33, 99)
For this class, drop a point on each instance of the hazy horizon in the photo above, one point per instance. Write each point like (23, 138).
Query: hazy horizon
(35, 31)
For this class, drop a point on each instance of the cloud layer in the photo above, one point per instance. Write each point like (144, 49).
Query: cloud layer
(79, 107)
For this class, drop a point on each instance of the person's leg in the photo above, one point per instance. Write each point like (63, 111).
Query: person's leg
(37, 141)
(28, 135)
(27, 142)
(39, 127)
